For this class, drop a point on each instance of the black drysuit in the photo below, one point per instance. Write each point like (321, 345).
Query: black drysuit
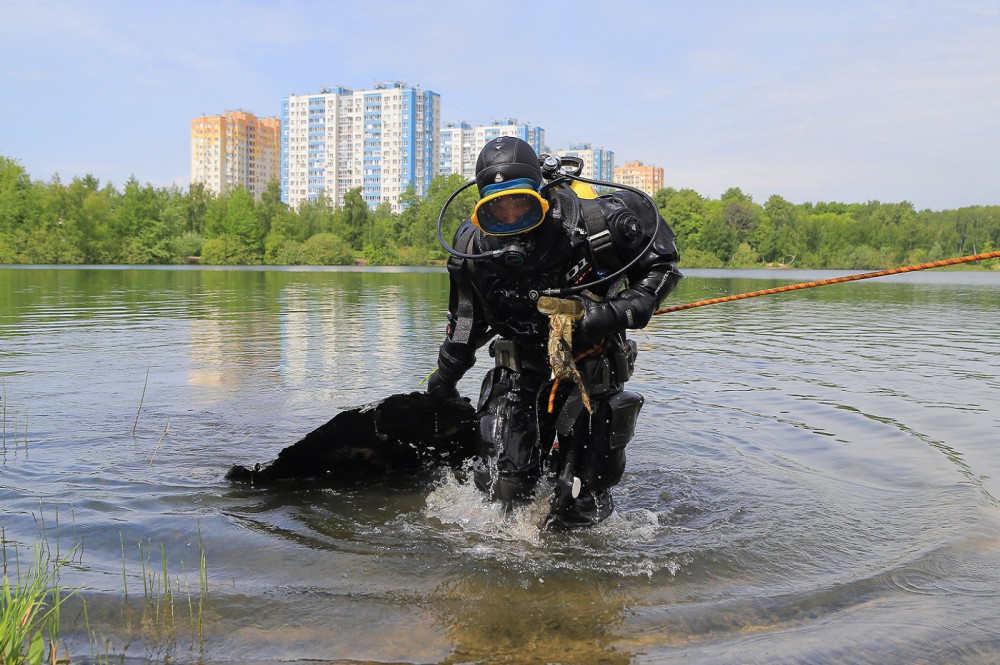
(579, 242)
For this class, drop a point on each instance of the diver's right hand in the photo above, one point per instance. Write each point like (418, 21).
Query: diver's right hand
(438, 386)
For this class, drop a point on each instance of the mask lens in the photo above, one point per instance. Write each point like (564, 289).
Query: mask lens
(508, 213)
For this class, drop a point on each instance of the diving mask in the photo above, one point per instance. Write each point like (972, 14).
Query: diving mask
(510, 207)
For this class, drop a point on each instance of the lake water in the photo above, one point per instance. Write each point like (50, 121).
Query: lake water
(814, 478)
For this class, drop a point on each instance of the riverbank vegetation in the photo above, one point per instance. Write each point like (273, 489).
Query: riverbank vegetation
(32, 599)
(85, 222)
(29, 610)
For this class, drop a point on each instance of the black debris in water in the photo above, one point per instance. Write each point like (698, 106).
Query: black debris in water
(402, 432)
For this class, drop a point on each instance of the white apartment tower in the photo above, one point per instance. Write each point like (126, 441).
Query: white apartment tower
(598, 163)
(381, 140)
(461, 143)
(458, 150)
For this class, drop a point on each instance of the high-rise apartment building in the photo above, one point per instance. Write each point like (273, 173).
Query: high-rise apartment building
(636, 174)
(598, 164)
(236, 149)
(461, 142)
(458, 149)
(381, 140)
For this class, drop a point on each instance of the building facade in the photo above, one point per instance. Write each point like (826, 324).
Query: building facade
(458, 146)
(598, 164)
(461, 143)
(236, 149)
(381, 140)
(636, 174)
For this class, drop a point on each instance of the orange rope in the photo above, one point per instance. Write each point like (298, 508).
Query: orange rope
(592, 351)
(552, 395)
(834, 280)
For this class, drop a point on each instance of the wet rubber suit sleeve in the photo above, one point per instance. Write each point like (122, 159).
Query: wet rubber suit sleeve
(633, 221)
(467, 323)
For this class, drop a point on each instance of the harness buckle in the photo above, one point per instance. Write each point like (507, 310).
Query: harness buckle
(506, 354)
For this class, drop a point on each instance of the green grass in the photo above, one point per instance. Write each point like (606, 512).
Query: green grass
(30, 601)
(31, 598)
(169, 602)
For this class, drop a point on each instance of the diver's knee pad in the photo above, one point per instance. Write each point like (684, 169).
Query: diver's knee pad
(606, 461)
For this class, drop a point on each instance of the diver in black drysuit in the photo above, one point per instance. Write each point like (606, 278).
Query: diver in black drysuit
(562, 241)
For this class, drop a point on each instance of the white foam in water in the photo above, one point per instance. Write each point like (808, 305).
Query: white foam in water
(464, 506)
(616, 545)
(635, 524)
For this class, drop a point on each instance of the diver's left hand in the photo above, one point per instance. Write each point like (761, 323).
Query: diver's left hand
(598, 321)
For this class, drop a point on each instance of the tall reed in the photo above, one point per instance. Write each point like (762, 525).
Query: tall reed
(163, 596)
(30, 601)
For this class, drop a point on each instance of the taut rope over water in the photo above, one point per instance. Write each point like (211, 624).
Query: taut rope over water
(835, 280)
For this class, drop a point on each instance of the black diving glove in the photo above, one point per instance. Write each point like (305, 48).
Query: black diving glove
(438, 386)
(598, 321)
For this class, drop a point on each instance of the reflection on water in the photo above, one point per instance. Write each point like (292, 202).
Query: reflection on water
(813, 478)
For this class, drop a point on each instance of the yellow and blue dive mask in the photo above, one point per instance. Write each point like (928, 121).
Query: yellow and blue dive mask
(510, 207)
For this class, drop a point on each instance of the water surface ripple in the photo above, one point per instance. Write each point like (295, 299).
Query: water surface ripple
(813, 479)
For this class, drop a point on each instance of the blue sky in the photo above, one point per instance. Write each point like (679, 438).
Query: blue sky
(816, 101)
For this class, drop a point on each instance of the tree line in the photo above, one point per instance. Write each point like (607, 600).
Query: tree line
(734, 231)
(84, 222)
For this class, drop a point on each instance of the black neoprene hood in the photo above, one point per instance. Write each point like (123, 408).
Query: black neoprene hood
(506, 158)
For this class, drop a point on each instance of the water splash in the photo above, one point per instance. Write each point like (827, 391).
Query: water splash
(519, 538)
(461, 504)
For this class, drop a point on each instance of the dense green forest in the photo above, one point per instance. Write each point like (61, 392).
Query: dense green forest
(83, 222)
